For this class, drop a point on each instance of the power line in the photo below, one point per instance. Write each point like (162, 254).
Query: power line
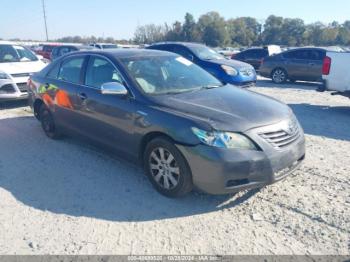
(44, 12)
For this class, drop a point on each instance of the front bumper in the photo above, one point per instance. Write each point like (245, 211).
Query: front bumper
(10, 90)
(222, 171)
(242, 81)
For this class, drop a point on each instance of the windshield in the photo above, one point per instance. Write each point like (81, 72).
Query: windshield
(205, 53)
(168, 74)
(14, 53)
(109, 46)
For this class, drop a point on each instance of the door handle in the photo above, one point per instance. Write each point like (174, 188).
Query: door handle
(311, 64)
(82, 96)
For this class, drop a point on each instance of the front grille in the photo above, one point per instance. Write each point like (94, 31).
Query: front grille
(21, 75)
(283, 137)
(22, 87)
(7, 89)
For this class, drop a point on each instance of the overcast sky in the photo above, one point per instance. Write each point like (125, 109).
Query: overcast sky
(116, 18)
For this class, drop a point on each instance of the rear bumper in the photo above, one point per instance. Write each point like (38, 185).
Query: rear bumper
(9, 90)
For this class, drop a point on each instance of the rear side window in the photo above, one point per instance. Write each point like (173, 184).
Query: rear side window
(316, 55)
(290, 55)
(100, 71)
(71, 69)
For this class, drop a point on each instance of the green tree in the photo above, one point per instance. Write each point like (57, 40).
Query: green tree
(213, 29)
(292, 32)
(244, 31)
(272, 30)
(190, 32)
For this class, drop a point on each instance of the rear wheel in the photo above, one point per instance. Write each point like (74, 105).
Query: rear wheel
(167, 169)
(48, 123)
(279, 76)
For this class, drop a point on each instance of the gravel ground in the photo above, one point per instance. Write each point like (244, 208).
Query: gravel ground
(65, 197)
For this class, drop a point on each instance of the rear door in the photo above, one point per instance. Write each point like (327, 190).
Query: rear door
(59, 91)
(315, 63)
(296, 64)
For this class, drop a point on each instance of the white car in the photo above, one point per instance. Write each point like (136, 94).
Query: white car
(336, 73)
(17, 63)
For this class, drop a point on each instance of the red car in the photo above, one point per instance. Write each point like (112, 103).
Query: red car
(45, 50)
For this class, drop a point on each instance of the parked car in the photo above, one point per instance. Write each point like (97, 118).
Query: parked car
(255, 56)
(303, 64)
(104, 45)
(45, 50)
(226, 70)
(335, 72)
(65, 49)
(228, 51)
(17, 63)
(185, 127)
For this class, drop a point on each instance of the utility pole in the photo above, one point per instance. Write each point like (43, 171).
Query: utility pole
(44, 11)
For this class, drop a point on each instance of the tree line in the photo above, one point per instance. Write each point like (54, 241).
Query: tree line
(214, 30)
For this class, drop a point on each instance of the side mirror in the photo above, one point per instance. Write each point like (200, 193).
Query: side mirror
(113, 88)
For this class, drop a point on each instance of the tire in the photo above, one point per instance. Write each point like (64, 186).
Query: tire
(167, 169)
(279, 76)
(48, 123)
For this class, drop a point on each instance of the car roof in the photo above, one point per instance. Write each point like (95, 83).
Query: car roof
(188, 44)
(127, 53)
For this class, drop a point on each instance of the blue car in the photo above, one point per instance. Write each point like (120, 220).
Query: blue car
(226, 70)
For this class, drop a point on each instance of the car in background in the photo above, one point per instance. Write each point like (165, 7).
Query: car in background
(226, 70)
(104, 45)
(227, 51)
(335, 72)
(179, 122)
(65, 49)
(255, 56)
(45, 50)
(304, 64)
(17, 63)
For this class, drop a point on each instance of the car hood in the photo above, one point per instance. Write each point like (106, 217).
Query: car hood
(229, 62)
(22, 67)
(226, 108)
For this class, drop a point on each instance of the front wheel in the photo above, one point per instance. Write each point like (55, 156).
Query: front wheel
(279, 76)
(167, 169)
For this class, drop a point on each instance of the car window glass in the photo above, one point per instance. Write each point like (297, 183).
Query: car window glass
(315, 55)
(290, 55)
(70, 70)
(302, 54)
(53, 73)
(100, 71)
(183, 52)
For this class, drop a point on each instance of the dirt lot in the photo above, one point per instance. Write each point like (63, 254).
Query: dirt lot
(65, 197)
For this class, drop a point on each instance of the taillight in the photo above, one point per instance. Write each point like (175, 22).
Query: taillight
(327, 62)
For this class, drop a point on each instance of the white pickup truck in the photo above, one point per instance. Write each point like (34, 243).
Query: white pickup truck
(336, 73)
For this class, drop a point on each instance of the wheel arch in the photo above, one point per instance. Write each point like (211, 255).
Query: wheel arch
(149, 137)
(36, 107)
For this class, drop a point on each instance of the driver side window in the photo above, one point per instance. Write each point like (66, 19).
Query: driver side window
(100, 71)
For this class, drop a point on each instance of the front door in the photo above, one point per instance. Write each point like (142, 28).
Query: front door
(107, 119)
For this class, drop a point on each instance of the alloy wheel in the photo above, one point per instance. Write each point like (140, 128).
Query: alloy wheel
(279, 76)
(164, 168)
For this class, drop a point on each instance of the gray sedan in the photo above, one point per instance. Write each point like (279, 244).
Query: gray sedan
(183, 125)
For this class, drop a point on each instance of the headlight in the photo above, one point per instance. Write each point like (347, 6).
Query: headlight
(229, 70)
(3, 75)
(224, 139)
